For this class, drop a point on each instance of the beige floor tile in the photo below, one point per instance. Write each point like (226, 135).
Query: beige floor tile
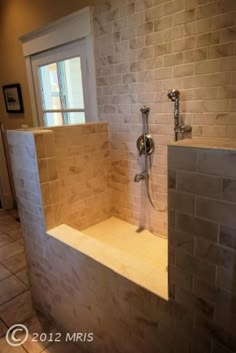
(5, 239)
(4, 273)
(62, 347)
(11, 226)
(10, 287)
(10, 250)
(21, 242)
(16, 234)
(15, 263)
(6, 348)
(3, 328)
(38, 324)
(18, 309)
(23, 276)
(6, 219)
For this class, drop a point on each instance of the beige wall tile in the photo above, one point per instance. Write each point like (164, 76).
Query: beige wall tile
(52, 168)
(196, 267)
(200, 228)
(218, 211)
(195, 55)
(227, 237)
(215, 254)
(162, 23)
(40, 146)
(199, 184)
(46, 194)
(188, 299)
(181, 201)
(221, 50)
(218, 163)
(185, 161)
(43, 170)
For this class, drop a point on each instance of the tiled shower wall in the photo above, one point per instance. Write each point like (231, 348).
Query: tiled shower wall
(200, 315)
(82, 168)
(72, 164)
(202, 242)
(143, 48)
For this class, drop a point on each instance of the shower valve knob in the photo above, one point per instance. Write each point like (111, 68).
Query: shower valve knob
(149, 149)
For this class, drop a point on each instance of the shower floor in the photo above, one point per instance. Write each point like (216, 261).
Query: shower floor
(138, 256)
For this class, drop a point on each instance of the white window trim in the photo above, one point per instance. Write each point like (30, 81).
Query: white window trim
(76, 26)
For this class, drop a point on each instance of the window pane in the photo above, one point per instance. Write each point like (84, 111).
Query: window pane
(75, 118)
(70, 78)
(50, 91)
(53, 119)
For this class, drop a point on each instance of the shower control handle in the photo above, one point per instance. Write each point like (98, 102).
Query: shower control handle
(149, 142)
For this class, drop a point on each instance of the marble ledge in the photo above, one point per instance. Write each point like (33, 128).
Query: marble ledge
(206, 143)
(124, 258)
(49, 129)
(32, 131)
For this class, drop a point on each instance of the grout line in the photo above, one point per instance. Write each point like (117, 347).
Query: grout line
(27, 289)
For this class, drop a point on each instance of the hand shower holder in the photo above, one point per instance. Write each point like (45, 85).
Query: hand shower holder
(183, 129)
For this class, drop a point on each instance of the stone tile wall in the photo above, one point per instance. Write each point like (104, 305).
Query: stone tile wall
(74, 170)
(81, 295)
(73, 164)
(202, 239)
(143, 48)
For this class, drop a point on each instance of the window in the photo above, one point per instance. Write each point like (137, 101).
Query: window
(61, 71)
(62, 94)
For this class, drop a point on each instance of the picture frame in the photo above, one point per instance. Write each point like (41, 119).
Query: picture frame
(13, 98)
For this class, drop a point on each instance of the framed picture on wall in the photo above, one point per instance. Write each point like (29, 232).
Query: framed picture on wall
(13, 98)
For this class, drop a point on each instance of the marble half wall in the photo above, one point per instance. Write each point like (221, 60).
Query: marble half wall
(73, 163)
(80, 294)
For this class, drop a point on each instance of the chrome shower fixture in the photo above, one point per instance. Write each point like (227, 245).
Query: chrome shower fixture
(174, 96)
(145, 143)
(140, 176)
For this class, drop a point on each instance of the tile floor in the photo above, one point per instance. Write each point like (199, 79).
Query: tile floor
(15, 300)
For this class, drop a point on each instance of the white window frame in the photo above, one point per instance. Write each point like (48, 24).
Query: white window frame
(67, 51)
(75, 27)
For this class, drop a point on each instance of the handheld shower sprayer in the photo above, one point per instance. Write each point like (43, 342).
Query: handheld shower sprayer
(174, 96)
(145, 110)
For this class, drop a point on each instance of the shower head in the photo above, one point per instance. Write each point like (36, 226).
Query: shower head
(173, 95)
